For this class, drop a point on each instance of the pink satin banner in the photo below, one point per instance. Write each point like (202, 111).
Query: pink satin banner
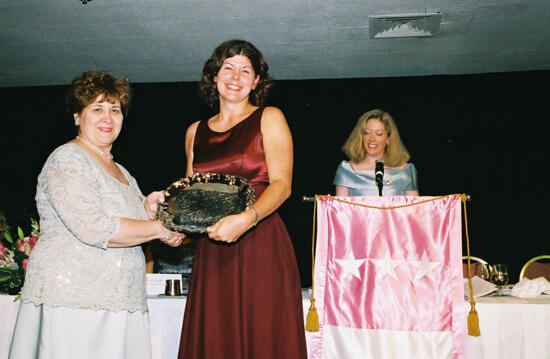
(388, 282)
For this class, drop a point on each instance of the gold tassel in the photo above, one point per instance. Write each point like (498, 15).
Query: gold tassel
(473, 321)
(312, 319)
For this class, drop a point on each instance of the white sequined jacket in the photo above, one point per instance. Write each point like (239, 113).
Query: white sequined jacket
(80, 206)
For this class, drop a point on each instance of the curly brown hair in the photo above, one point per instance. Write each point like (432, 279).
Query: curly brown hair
(208, 90)
(86, 87)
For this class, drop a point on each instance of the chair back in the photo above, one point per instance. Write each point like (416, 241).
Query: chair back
(478, 267)
(536, 267)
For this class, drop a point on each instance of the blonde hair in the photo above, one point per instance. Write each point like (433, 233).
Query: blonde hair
(395, 153)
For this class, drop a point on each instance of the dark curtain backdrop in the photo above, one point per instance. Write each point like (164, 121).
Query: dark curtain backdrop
(484, 135)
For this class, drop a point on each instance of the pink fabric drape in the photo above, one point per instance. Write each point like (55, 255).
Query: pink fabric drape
(388, 282)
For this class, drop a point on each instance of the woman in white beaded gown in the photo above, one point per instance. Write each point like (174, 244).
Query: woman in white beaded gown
(84, 293)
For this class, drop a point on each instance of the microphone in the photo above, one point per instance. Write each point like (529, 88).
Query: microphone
(379, 175)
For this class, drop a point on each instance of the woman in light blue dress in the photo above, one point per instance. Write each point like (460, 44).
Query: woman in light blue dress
(375, 137)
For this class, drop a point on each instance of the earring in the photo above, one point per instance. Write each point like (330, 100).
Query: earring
(76, 122)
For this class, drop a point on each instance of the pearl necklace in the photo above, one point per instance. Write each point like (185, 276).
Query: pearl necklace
(95, 148)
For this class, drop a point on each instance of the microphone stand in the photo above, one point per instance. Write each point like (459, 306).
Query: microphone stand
(380, 185)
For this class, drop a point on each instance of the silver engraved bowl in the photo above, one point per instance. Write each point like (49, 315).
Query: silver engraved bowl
(193, 203)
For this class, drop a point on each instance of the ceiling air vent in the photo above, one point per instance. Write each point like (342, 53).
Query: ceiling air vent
(411, 25)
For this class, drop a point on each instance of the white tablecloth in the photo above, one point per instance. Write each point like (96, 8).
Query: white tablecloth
(166, 318)
(511, 328)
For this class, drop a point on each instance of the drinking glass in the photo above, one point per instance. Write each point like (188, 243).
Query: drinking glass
(500, 277)
(483, 271)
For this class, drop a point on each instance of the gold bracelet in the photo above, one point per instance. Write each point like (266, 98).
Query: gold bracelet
(255, 214)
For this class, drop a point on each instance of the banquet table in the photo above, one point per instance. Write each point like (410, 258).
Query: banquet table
(511, 327)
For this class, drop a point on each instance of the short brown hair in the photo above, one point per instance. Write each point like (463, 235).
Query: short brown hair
(207, 87)
(86, 87)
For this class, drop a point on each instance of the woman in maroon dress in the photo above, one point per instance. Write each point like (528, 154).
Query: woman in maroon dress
(245, 294)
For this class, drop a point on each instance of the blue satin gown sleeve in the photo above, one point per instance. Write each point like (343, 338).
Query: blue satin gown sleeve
(362, 182)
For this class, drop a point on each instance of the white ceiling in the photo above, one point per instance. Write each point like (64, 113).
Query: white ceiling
(48, 42)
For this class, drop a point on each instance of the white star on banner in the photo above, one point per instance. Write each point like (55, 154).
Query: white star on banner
(386, 266)
(424, 267)
(350, 265)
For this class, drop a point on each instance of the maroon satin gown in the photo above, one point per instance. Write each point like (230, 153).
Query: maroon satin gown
(244, 298)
